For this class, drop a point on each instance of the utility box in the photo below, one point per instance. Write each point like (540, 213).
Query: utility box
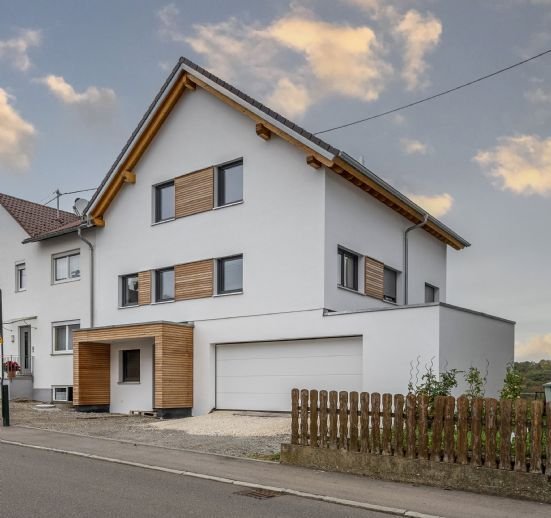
(547, 389)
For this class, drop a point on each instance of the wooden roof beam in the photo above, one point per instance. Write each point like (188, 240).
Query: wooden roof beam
(263, 132)
(312, 161)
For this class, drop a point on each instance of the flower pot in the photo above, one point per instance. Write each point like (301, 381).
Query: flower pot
(11, 374)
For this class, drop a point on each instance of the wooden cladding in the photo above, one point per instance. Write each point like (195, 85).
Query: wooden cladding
(91, 374)
(374, 278)
(194, 280)
(194, 192)
(144, 287)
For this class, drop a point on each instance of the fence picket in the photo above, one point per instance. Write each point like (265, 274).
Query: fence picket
(333, 420)
(437, 426)
(423, 411)
(387, 424)
(476, 431)
(548, 453)
(520, 435)
(536, 436)
(376, 422)
(398, 436)
(343, 420)
(449, 430)
(462, 429)
(314, 418)
(353, 446)
(294, 416)
(364, 422)
(304, 417)
(505, 416)
(323, 419)
(490, 431)
(411, 401)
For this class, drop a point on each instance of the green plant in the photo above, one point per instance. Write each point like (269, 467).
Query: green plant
(476, 383)
(433, 385)
(512, 384)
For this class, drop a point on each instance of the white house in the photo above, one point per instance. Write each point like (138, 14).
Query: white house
(237, 256)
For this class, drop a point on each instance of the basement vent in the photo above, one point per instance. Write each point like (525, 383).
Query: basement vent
(259, 494)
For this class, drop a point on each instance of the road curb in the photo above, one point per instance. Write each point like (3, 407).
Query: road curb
(311, 496)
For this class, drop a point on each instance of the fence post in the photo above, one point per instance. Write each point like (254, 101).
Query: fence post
(490, 430)
(411, 402)
(376, 422)
(437, 426)
(520, 435)
(294, 416)
(398, 439)
(323, 419)
(353, 446)
(423, 405)
(387, 424)
(536, 436)
(505, 415)
(476, 430)
(462, 429)
(343, 420)
(304, 417)
(449, 429)
(548, 453)
(333, 420)
(364, 422)
(314, 418)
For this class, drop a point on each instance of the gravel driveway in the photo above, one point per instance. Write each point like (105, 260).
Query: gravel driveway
(242, 434)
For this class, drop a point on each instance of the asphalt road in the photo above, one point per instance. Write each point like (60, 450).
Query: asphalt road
(43, 484)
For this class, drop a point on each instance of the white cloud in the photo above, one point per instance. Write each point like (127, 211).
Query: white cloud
(289, 98)
(536, 348)
(539, 95)
(16, 49)
(413, 147)
(437, 205)
(521, 164)
(92, 96)
(16, 136)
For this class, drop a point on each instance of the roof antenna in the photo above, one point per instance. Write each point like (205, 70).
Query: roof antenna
(57, 196)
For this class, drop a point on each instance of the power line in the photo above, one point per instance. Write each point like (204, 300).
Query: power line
(59, 194)
(440, 94)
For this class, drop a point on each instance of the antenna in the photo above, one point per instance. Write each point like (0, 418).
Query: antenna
(57, 196)
(79, 206)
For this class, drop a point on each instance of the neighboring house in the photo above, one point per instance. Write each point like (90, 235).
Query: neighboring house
(238, 256)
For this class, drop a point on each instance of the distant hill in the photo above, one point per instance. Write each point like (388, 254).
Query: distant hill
(534, 374)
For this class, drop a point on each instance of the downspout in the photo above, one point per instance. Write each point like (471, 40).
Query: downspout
(406, 266)
(91, 247)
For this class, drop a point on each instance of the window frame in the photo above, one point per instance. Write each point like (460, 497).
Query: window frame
(20, 266)
(341, 254)
(220, 275)
(157, 201)
(123, 302)
(387, 298)
(435, 291)
(65, 255)
(68, 345)
(221, 184)
(123, 367)
(157, 275)
(68, 393)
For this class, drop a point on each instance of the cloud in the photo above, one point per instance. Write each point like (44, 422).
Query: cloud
(290, 98)
(92, 96)
(539, 95)
(536, 348)
(437, 205)
(16, 136)
(520, 164)
(413, 147)
(16, 49)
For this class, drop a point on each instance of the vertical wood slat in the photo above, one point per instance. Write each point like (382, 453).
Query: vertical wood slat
(548, 453)
(343, 420)
(353, 446)
(333, 420)
(490, 431)
(398, 439)
(449, 430)
(411, 402)
(505, 416)
(423, 408)
(144, 287)
(520, 435)
(304, 417)
(476, 431)
(462, 429)
(294, 415)
(536, 436)
(374, 278)
(376, 423)
(194, 192)
(364, 422)
(323, 419)
(314, 418)
(437, 427)
(387, 424)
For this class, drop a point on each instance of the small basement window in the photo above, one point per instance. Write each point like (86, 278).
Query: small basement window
(390, 282)
(129, 290)
(164, 201)
(348, 269)
(229, 182)
(130, 366)
(62, 394)
(230, 275)
(431, 293)
(164, 285)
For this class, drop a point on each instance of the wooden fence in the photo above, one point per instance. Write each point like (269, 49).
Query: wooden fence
(510, 435)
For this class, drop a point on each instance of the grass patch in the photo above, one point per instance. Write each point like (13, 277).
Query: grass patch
(272, 457)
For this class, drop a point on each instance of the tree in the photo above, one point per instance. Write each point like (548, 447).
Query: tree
(512, 384)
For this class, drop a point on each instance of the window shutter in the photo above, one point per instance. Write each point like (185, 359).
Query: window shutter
(374, 278)
(194, 280)
(144, 287)
(194, 192)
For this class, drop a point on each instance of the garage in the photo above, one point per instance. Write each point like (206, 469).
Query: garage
(261, 375)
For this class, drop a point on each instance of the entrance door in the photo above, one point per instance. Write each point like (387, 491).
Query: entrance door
(25, 348)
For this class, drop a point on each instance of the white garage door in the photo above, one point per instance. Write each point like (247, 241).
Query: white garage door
(260, 376)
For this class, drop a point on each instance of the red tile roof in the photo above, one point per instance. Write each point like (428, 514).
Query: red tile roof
(37, 219)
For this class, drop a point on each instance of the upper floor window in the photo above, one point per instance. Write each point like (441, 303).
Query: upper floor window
(20, 277)
(164, 285)
(229, 183)
(164, 202)
(129, 290)
(63, 336)
(348, 269)
(230, 275)
(390, 284)
(66, 266)
(431, 293)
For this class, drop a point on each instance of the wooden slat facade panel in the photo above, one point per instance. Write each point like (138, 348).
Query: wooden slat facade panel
(194, 280)
(374, 278)
(91, 374)
(144, 287)
(194, 192)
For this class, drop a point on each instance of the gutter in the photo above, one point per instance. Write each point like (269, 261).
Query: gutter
(91, 247)
(406, 253)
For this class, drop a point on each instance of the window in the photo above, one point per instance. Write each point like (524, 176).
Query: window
(63, 336)
(130, 366)
(164, 284)
(164, 202)
(62, 394)
(348, 268)
(390, 284)
(230, 183)
(20, 277)
(129, 290)
(431, 293)
(230, 274)
(67, 267)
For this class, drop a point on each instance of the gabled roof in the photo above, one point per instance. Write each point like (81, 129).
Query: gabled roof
(186, 77)
(38, 220)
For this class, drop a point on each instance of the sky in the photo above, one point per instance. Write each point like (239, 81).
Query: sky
(76, 77)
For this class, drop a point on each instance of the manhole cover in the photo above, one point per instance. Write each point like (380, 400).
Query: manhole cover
(259, 494)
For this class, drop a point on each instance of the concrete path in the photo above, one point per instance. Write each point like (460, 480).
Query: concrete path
(431, 501)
